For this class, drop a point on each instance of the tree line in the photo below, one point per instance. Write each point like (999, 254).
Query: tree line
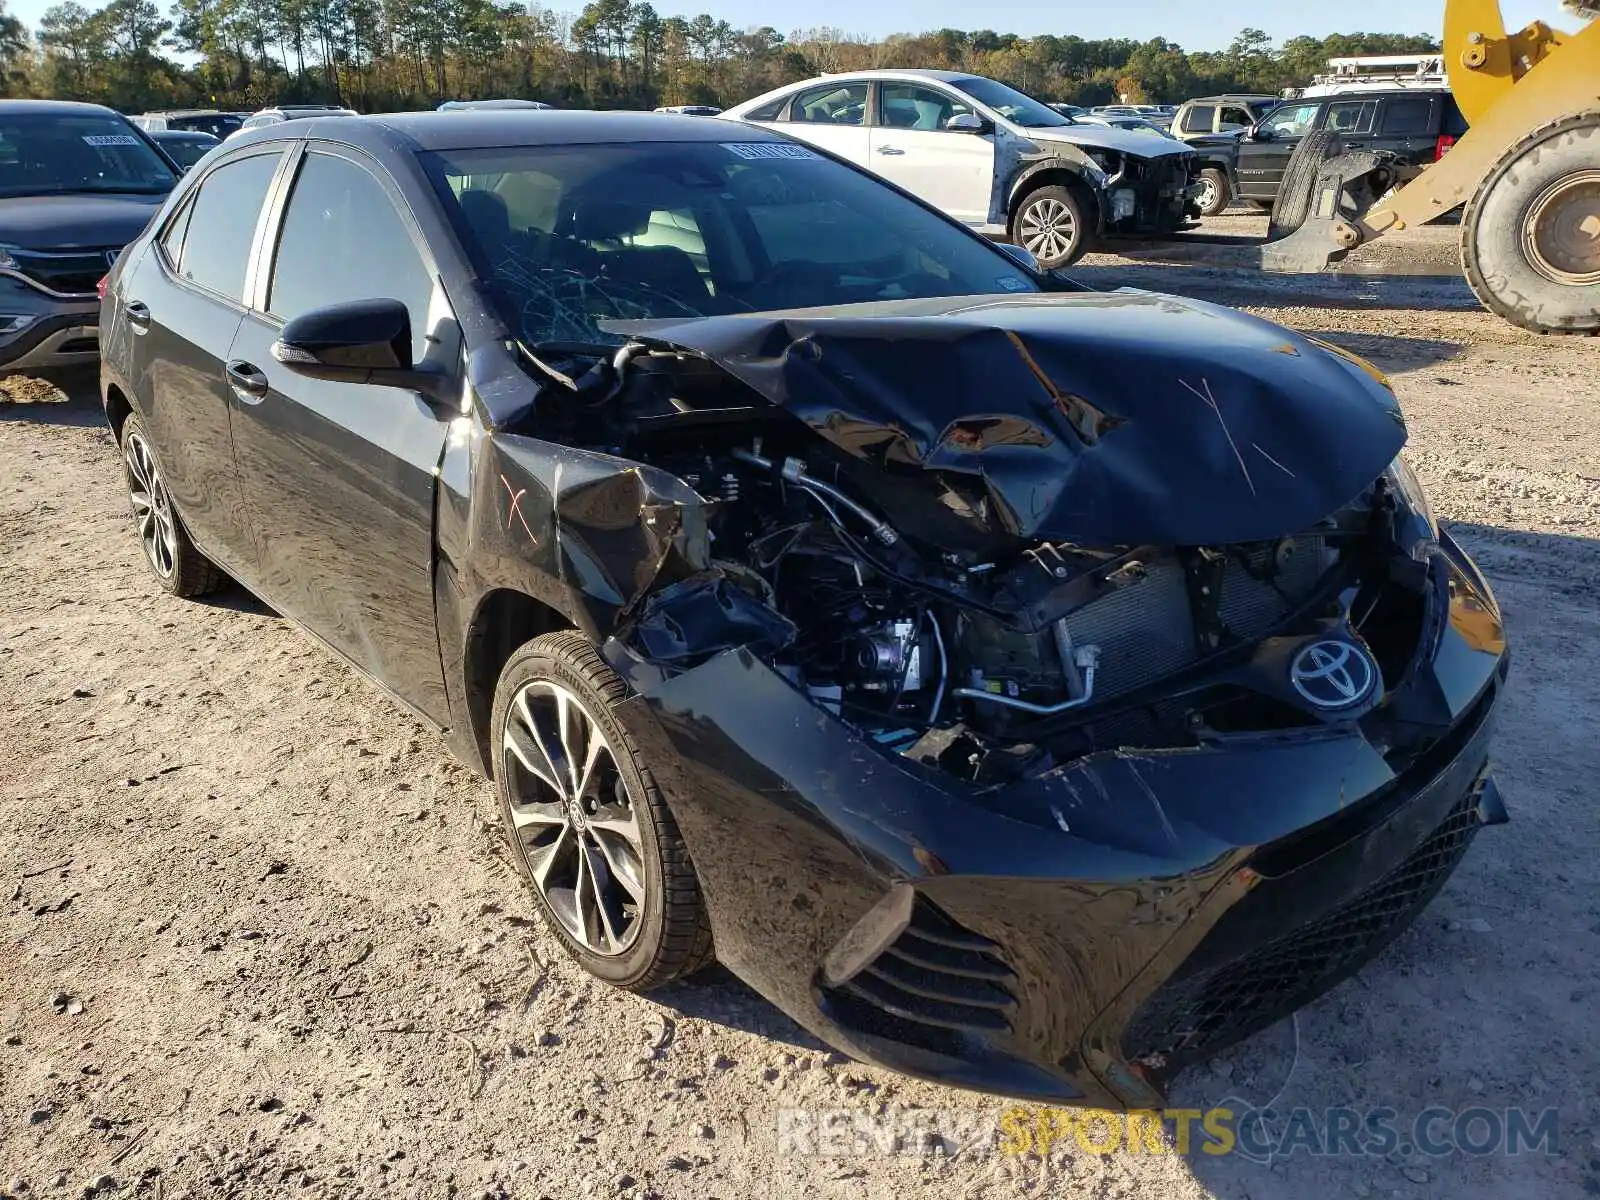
(389, 55)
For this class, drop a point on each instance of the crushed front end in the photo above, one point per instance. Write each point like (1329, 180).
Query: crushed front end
(1159, 194)
(1059, 690)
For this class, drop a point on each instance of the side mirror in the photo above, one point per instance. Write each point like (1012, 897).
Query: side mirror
(1021, 253)
(968, 123)
(1259, 133)
(361, 341)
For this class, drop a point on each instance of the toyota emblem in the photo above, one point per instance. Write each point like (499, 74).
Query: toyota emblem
(111, 257)
(1331, 675)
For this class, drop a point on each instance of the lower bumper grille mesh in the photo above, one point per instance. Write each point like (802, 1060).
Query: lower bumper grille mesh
(1194, 1016)
(934, 985)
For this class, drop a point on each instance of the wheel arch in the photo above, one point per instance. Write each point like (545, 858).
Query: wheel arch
(504, 620)
(118, 409)
(1053, 171)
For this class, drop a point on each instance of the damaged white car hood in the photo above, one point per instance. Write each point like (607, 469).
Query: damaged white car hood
(1106, 137)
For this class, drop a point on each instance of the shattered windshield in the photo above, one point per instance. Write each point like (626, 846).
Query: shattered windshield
(568, 237)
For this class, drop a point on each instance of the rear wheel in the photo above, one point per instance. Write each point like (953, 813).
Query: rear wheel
(590, 830)
(1052, 224)
(1530, 238)
(172, 558)
(1216, 193)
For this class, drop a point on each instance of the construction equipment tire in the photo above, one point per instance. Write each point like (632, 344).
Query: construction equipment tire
(1530, 239)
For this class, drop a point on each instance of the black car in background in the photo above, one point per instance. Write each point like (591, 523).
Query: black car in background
(1417, 125)
(190, 120)
(1024, 687)
(77, 183)
(184, 147)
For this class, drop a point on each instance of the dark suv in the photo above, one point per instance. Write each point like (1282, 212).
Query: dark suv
(77, 184)
(1419, 126)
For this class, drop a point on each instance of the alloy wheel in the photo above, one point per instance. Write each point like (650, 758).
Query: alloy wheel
(1048, 229)
(1208, 194)
(573, 818)
(152, 506)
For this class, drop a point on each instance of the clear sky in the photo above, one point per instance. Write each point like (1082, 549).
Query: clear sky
(1195, 24)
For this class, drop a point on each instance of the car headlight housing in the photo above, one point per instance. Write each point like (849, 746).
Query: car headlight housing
(1415, 528)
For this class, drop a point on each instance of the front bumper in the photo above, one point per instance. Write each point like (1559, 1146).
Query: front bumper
(55, 333)
(1080, 936)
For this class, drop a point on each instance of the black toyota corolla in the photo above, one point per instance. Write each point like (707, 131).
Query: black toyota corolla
(1026, 687)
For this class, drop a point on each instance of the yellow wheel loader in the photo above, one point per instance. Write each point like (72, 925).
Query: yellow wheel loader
(1528, 172)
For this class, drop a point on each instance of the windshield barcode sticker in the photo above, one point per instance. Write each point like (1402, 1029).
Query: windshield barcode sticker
(111, 139)
(768, 150)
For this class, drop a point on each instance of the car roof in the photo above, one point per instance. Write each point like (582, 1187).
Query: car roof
(56, 106)
(1370, 94)
(181, 135)
(183, 112)
(899, 73)
(471, 129)
(1231, 96)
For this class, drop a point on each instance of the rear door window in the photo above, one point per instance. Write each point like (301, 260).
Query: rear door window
(215, 249)
(767, 112)
(1351, 117)
(831, 104)
(1236, 118)
(1199, 118)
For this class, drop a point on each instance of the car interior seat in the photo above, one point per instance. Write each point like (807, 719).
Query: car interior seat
(609, 226)
(486, 215)
(930, 114)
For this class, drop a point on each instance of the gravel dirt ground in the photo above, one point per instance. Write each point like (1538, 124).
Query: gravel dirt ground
(259, 935)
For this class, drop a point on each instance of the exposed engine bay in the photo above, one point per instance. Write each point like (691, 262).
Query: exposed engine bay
(895, 597)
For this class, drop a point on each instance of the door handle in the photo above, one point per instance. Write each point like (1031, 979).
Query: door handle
(889, 150)
(248, 383)
(138, 314)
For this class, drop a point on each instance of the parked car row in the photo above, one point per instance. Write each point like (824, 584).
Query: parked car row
(990, 156)
(1248, 163)
(1049, 179)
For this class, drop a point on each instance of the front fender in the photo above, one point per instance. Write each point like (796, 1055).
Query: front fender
(1037, 170)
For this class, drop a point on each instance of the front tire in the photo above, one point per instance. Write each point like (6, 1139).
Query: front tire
(1052, 224)
(590, 830)
(1217, 193)
(1530, 237)
(172, 557)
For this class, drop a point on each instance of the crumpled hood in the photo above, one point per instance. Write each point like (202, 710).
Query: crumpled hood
(1104, 419)
(1108, 137)
(75, 222)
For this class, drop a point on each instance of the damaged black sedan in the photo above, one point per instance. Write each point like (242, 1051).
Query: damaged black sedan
(1024, 687)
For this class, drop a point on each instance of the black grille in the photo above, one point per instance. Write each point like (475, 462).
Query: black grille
(936, 984)
(1192, 1016)
(71, 273)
